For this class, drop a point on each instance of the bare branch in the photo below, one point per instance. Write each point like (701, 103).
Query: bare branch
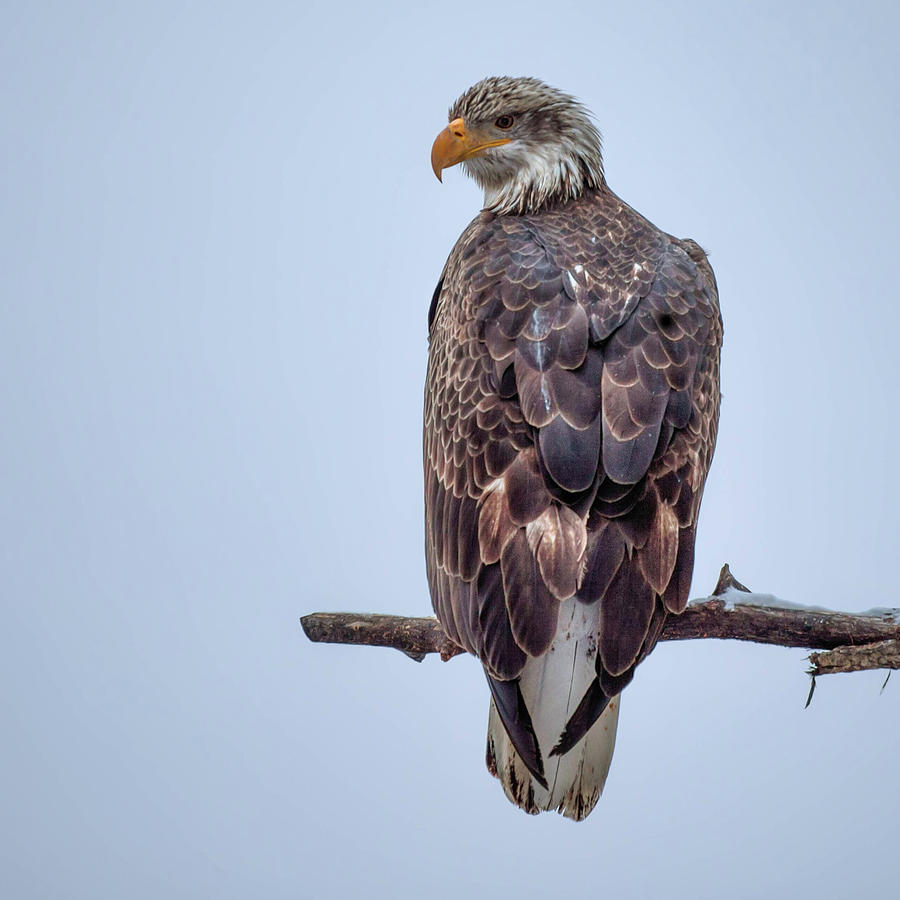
(413, 636)
(879, 655)
(856, 641)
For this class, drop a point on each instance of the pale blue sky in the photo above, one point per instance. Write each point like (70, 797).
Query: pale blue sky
(219, 235)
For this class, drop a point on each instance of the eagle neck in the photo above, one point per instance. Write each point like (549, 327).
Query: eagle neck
(536, 176)
(538, 190)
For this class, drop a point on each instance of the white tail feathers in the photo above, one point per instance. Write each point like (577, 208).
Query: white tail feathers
(552, 687)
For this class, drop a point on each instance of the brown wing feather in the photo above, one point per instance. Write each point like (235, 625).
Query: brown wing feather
(570, 416)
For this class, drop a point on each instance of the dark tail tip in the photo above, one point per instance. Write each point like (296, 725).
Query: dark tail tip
(517, 722)
(589, 710)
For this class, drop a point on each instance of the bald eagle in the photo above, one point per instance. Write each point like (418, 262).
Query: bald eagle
(571, 410)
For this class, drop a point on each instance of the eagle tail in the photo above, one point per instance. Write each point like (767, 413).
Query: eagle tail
(552, 687)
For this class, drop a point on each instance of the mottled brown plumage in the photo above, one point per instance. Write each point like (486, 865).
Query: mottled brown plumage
(571, 408)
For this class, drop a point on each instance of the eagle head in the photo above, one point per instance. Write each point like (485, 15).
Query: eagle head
(527, 144)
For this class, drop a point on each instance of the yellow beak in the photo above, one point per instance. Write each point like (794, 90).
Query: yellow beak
(456, 143)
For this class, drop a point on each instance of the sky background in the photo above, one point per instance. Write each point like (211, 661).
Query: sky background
(219, 236)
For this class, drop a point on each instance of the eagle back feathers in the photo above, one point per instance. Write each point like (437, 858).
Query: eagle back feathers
(571, 409)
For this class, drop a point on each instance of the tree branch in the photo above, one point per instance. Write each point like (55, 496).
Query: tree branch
(878, 655)
(856, 641)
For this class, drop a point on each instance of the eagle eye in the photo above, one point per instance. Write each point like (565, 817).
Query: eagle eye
(505, 122)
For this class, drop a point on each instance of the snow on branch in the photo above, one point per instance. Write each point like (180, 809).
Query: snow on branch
(852, 641)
